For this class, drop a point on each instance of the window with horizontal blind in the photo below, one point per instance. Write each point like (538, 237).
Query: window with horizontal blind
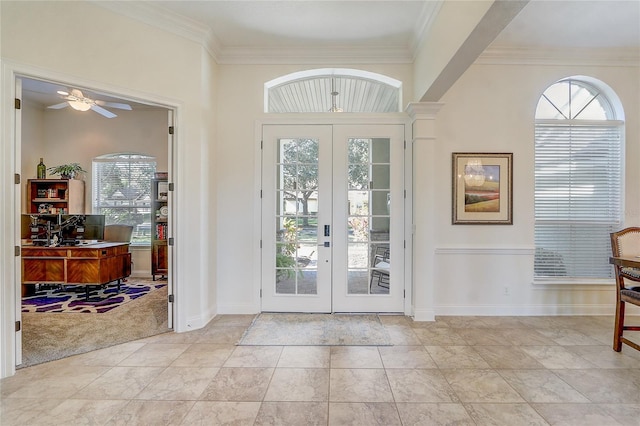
(122, 192)
(578, 181)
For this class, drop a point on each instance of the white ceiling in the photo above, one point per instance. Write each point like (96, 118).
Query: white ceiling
(245, 27)
(237, 29)
(575, 23)
(359, 31)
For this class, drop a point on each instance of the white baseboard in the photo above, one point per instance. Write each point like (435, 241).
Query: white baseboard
(238, 309)
(140, 273)
(525, 310)
(196, 322)
(424, 315)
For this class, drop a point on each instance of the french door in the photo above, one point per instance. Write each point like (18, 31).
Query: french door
(332, 218)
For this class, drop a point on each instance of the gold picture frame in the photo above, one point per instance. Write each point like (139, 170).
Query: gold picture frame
(482, 188)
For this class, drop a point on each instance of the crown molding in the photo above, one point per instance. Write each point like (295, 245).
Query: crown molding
(314, 55)
(523, 55)
(166, 20)
(428, 16)
(159, 17)
(423, 110)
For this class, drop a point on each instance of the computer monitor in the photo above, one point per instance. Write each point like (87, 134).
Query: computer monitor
(69, 228)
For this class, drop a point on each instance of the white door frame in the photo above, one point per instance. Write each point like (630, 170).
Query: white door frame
(319, 302)
(10, 165)
(336, 119)
(342, 300)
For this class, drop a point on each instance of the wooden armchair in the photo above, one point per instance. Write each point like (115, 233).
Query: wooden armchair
(625, 243)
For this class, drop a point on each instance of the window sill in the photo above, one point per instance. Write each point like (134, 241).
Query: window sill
(567, 283)
(140, 247)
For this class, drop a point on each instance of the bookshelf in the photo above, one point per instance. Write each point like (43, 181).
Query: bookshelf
(55, 196)
(159, 227)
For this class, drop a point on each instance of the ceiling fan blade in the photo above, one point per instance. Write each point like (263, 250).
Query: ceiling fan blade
(114, 105)
(103, 111)
(59, 106)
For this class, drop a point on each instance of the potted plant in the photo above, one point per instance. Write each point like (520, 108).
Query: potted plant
(67, 171)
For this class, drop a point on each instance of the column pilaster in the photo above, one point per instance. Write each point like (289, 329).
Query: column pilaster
(423, 137)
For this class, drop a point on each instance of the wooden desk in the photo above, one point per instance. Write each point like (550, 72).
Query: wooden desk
(92, 264)
(626, 262)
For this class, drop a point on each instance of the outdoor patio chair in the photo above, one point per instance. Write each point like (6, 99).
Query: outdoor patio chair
(381, 266)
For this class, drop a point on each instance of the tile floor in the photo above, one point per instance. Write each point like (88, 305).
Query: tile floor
(458, 370)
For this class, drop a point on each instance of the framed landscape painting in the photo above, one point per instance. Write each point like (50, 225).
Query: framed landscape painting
(482, 188)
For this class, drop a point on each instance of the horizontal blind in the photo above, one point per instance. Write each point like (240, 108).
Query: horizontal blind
(578, 178)
(122, 192)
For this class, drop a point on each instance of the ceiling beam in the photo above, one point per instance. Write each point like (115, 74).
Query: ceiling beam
(496, 18)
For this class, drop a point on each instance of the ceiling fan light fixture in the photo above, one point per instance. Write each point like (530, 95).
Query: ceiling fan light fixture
(79, 106)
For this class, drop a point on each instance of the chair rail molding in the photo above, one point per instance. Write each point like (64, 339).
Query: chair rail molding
(489, 251)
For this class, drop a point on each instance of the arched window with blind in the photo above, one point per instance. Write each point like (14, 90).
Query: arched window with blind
(579, 139)
(122, 192)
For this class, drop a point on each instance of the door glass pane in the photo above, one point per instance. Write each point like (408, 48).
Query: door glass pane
(358, 203)
(296, 216)
(369, 259)
(358, 256)
(358, 281)
(358, 176)
(358, 228)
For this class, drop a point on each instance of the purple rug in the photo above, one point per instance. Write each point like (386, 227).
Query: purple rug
(72, 298)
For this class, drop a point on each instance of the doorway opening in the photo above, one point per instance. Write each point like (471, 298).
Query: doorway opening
(64, 135)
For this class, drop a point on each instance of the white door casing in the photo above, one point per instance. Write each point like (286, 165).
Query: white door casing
(335, 272)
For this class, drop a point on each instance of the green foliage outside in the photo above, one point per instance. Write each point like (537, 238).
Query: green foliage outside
(300, 170)
(286, 250)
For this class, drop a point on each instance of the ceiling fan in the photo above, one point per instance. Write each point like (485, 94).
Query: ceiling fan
(79, 102)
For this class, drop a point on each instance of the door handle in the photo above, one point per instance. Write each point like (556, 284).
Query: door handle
(325, 244)
(327, 230)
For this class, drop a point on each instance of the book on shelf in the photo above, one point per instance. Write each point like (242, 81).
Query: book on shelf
(161, 231)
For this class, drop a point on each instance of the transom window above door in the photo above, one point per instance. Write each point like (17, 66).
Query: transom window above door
(333, 90)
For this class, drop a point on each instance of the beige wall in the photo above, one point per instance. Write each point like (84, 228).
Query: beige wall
(491, 109)
(118, 55)
(69, 136)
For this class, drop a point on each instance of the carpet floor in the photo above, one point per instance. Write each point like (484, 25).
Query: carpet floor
(72, 299)
(50, 336)
(316, 329)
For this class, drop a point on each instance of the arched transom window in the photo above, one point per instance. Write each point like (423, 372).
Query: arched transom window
(333, 90)
(578, 179)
